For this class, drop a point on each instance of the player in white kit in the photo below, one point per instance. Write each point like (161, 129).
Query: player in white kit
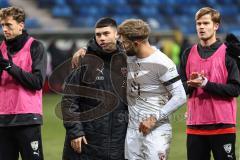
(154, 92)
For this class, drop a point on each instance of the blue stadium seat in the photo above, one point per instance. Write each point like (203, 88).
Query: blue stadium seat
(77, 22)
(159, 2)
(148, 11)
(231, 29)
(190, 10)
(169, 10)
(186, 24)
(238, 19)
(226, 2)
(152, 2)
(163, 22)
(78, 2)
(183, 20)
(88, 11)
(61, 11)
(230, 10)
(90, 21)
(4, 3)
(119, 19)
(91, 11)
(185, 2)
(101, 2)
(133, 2)
(83, 2)
(86, 21)
(188, 30)
(165, 26)
(117, 2)
(59, 2)
(229, 20)
(32, 23)
(194, 2)
(45, 3)
(212, 2)
(123, 11)
(70, 2)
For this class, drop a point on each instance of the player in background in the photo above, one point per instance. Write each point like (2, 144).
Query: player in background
(23, 69)
(211, 79)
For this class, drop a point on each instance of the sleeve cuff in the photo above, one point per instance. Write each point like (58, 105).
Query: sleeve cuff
(204, 83)
(74, 136)
(161, 115)
(12, 69)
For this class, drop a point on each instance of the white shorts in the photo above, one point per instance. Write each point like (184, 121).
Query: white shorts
(154, 146)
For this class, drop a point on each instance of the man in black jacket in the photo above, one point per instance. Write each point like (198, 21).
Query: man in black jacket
(22, 75)
(94, 107)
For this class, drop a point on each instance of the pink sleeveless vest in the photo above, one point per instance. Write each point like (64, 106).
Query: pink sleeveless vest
(204, 108)
(14, 98)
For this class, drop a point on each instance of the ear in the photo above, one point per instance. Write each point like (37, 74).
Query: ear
(117, 35)
(21, 24)
(136, 43)
(216, 26)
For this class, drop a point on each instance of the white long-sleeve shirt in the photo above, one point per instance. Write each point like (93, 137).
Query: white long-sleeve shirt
(154, 87)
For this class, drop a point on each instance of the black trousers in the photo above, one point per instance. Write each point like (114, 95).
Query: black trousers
(222, 146)
(25, 140)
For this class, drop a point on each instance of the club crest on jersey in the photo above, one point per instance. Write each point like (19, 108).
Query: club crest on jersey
(227, 148)
(124, 71)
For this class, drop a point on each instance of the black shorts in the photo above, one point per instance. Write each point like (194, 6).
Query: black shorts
(222, 146)
(25, 140)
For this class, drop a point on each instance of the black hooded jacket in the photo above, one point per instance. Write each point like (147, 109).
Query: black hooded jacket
(96, 90)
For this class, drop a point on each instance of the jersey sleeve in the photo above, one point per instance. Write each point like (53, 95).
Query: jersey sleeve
(170, 78)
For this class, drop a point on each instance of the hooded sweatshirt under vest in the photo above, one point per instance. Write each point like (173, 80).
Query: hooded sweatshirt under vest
(21, 86)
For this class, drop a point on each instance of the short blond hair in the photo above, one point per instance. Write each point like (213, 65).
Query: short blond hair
(134, 29)
(215, 15)
(18, 14)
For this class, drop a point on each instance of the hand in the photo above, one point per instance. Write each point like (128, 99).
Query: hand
(196, 79)
(194, 75)
(5, 64)
(76, 57)
(147, 125)
(77, 143)
(195, 82)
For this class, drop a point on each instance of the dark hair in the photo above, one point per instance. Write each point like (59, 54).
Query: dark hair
(17, 13)
(106, 22)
